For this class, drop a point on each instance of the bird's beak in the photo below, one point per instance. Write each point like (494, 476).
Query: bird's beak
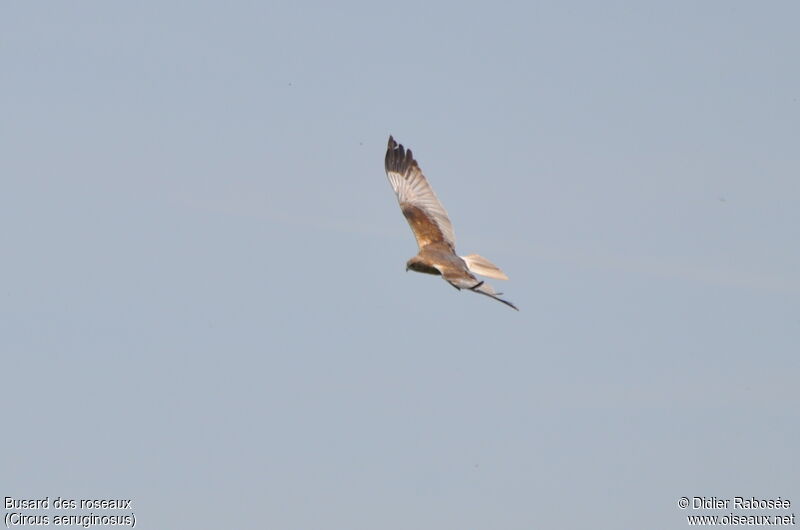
(406, 268)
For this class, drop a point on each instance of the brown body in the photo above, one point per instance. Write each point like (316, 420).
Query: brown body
(435, 258)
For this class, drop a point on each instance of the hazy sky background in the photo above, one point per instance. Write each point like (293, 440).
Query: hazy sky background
(204, 304)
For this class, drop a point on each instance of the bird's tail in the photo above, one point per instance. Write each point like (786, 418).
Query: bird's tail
(484, 267)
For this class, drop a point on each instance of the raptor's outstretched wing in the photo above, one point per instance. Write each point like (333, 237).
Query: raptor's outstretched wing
(421, 207)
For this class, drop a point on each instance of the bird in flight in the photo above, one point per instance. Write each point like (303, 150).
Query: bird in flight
(433, 229)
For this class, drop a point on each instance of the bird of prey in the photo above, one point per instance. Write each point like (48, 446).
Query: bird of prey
(433, 230)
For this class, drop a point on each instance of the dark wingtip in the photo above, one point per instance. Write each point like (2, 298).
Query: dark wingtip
(509, 304)
(494, 296)
(398, 159)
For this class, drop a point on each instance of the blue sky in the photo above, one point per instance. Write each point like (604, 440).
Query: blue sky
(204, 304)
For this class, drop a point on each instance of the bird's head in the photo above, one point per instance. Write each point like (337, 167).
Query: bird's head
(412, 263)
(418, 264)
